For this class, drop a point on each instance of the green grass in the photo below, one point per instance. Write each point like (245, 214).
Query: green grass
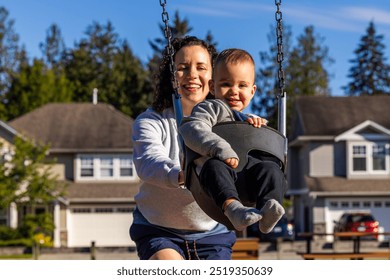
(16, 257)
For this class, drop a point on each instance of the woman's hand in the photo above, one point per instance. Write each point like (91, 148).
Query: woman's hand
(256, 121)
(232, 162)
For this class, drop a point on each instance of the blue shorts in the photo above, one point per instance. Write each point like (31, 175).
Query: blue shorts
(150, 239)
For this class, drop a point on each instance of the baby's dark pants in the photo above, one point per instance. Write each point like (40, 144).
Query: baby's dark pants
(259, 181)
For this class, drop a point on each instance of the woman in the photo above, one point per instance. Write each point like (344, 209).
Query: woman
(168, 224)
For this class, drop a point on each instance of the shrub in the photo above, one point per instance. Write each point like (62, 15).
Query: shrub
(7, 233)
(16, 242)
(37, 224)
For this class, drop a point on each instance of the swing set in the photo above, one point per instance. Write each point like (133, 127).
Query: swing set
(264, 141)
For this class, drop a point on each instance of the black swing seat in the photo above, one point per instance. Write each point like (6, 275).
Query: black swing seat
(245, 140)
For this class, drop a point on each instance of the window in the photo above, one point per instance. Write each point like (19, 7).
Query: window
(344, 204)
(355, 204)
(101, 210)
(104, 210)
(377, 204)
(379, 157)
(81, 210)
(86, 167)
(359, 158)
(105, 167)
(366, 204)
(126, 166)
(369, 158)
(124, 210)
(334, 204)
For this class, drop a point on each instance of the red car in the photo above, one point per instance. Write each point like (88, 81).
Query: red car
(357, 222)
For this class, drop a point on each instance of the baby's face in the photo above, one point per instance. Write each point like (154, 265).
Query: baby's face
(234, 83)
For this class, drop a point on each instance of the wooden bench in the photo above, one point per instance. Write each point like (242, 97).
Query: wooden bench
(354, 236)
(246, 249)
(351, 256)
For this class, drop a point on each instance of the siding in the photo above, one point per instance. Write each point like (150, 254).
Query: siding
(321, 160)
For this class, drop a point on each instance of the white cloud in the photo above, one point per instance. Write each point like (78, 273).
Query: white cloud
(321, 18)
(368, 14)
(326, 15)
(348, 18)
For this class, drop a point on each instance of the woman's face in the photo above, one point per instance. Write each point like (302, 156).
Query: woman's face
(194, 71)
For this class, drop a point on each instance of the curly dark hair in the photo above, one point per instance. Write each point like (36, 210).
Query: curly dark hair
(164, 87)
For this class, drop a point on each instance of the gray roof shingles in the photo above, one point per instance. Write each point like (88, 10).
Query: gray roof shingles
(321, 115)
(77, 127)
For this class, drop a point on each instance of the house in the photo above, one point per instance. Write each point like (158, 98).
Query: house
(92, 146)
(7, 135)
(339, 160)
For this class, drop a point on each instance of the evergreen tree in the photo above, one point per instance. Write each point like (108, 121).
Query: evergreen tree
(105, 62)
(53, 48)
(210, 39)
(42, 82)
(89, 63)
(131, 90)
(179, 28)
(33, 86)
(81, 71)
(265, 100)
(9, 50)
(304, 68)
(305, 72)
(10, 56)
(370, 74)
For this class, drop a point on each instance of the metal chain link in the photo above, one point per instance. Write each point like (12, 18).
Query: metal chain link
(279, 42)
(169, 47)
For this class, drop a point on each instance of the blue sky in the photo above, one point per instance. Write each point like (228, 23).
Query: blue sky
(233, 23)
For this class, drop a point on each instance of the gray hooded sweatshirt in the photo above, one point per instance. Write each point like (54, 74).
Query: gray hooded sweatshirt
(156, 157)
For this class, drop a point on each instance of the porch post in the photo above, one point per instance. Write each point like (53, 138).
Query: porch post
(57, 225)
(13, 215)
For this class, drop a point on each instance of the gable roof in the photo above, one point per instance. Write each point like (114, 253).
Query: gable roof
(7, 132)
(365, 130)
(77, 127)
(331, 116)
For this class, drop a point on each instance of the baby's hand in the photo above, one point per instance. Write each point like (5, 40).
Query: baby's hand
(232, 162)
(256, 121)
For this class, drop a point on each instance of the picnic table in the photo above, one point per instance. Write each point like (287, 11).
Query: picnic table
(354, 236)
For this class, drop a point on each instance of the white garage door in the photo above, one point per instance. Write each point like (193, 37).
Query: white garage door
(106, 226)
(379, 208)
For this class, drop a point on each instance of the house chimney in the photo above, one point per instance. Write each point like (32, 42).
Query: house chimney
(95, 96)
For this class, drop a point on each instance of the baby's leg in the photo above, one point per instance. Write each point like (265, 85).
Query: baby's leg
(271, 213)
(267, 183)
(241, 216)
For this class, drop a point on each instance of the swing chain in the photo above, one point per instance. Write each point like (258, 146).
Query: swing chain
(169, 47)
(279, 40)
